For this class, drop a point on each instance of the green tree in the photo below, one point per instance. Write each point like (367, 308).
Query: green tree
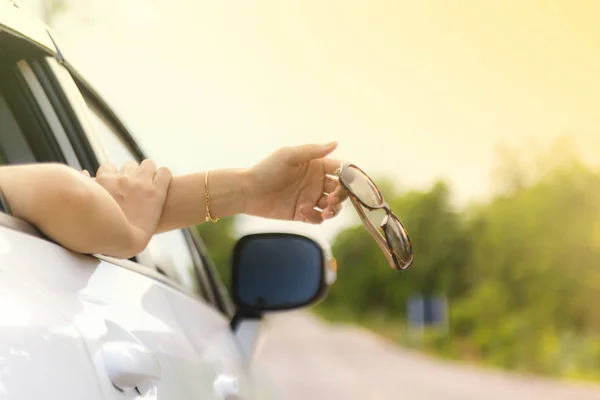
(366, 283)
(520, 271)
(533, 269)
(220, 241)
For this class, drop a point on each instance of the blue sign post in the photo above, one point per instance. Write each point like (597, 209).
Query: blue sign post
(425, 312)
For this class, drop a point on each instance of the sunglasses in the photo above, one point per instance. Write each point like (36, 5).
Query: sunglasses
(392, 237)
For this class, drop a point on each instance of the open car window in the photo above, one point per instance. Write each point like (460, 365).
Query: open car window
(98, 137)
(44, 117)
(26, 134)
(167, 252)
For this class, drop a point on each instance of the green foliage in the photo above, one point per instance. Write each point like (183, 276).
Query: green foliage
(366, 283)
(220, 241)
(521, 272)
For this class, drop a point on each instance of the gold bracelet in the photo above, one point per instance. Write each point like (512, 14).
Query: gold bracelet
(207, 200)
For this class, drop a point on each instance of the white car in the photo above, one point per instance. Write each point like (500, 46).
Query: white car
(158, 326)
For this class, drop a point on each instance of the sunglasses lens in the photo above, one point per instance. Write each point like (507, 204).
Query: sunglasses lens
(398, 238)
(361, 186)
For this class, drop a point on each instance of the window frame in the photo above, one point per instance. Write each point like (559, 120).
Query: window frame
(66, 114)
(38, 122)
(205, 271)
(52, 116)
(28, 114)
(200, 274)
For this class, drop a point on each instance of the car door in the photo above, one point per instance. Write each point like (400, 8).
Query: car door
(200, 305)
(205, 319)
(120, 308)
(42, 354)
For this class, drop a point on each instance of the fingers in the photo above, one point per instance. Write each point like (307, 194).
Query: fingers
(308, 152)
(310, 215)
(330, 185)
(331, 166)
(129, 168)
(323, 202)
(334, 193)
(327, 207)
(338, 196)
(330, 206)
(162, 178)
(86, 173)
(331, 211)
(106, 169)
(147, 169)
(330, 203)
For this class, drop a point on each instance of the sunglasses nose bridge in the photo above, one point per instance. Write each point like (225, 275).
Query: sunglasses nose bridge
(388, 213)
(385, 220)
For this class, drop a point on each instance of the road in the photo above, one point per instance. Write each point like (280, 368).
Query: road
(310, 359)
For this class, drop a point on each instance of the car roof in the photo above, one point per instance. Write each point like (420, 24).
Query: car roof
(19, 23)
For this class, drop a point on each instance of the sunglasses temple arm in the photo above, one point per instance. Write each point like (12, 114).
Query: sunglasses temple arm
(381, 242)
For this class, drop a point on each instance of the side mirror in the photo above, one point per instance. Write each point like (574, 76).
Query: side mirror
(277, 271)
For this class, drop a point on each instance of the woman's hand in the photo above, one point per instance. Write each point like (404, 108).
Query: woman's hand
(140, 191)
(291, 182)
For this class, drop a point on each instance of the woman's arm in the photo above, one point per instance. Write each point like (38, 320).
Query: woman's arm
(70, 208)
(293, 183)
(185, 205)
(117, 213)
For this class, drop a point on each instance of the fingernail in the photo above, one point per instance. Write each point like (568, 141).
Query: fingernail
(328, 214)
(331, 144)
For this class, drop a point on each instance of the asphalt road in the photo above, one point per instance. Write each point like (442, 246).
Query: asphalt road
(310, 359)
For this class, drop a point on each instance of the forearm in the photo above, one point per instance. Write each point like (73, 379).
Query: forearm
(185, 205)
(69, 208)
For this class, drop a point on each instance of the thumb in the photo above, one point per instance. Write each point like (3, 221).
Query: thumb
(310, 152)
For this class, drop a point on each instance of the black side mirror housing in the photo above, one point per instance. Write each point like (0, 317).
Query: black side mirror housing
(276, 272)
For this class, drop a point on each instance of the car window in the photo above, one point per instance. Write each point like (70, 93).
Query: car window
(26, 134)
(13, 145)
(50, 113)
(175, 254)
(169, 252)
(29, 128)
(116, 149)
(78, 105)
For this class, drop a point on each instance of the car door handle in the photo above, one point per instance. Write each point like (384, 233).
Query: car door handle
(226, 388)
(131, 366)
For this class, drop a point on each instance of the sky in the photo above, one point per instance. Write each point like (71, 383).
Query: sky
(413, 90)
